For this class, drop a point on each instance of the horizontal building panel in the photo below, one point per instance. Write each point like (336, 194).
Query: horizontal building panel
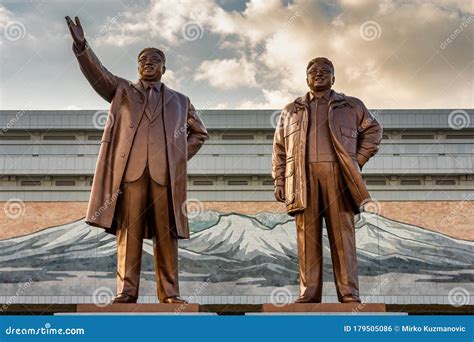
(234, 165)
(235, 119)
(220, 147)
(244, 195)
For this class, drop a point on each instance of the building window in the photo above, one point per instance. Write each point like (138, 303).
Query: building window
(417, 136)
(237, 182)
(459, 136)
(65, 183)
(15, 137)
(59, 137)
(410, 182)
(375, 182)
(203, 182)
(445, 182)
(30, 183)
(238, 137)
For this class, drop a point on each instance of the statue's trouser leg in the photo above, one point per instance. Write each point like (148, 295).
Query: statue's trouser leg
(309, 241)
(326, 196)
(130, 210)
(165, 243)
(339, 218)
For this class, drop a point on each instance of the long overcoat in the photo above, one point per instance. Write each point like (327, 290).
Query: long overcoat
(185, 134)
(355, 134)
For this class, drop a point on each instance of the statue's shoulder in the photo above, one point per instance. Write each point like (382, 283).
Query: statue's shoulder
(175, 94)
(289, 107)
(296, 104)
(354, 101)
(123, 82)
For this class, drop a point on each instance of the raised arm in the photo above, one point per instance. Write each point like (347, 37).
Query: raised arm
(102, 80)
(196, 131)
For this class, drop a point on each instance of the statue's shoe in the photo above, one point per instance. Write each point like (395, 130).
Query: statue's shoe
(175, 300)
(350, 299)
(303, 300)
(124, 298)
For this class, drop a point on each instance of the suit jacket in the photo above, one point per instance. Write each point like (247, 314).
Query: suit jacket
(355, 135)
(149, 147)
(185, 134)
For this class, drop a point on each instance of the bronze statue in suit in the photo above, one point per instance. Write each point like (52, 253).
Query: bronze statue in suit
(320, 145)
(139, 185)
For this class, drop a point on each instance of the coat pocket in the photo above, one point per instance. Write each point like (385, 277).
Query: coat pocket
(292, 127)
(290, 167)
(349, 139)
(106, 135)
(289, 180)
(356, 164)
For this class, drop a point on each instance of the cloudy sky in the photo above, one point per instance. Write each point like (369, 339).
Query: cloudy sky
(244, 54)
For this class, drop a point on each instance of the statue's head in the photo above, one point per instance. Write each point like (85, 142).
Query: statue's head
(151, 64)
(320, 74)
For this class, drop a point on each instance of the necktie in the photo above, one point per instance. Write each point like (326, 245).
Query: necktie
(152, 102)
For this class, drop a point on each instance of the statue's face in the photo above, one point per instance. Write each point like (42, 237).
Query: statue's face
(320, 77)
(151, 66)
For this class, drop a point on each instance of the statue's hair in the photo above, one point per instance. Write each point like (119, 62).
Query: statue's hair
(323, 60)
(158, 51)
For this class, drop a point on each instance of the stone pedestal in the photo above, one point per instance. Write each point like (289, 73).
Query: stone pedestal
(126, 308)
(324, 307)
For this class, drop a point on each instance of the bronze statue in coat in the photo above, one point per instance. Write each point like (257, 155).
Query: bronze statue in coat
(139, 186)
(321, 143)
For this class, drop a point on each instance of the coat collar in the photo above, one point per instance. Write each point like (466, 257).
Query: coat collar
(144, 85)
(167, 92)
(334, 98)
(325, 96)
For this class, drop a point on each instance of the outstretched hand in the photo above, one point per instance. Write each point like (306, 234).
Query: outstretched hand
(77, 32)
